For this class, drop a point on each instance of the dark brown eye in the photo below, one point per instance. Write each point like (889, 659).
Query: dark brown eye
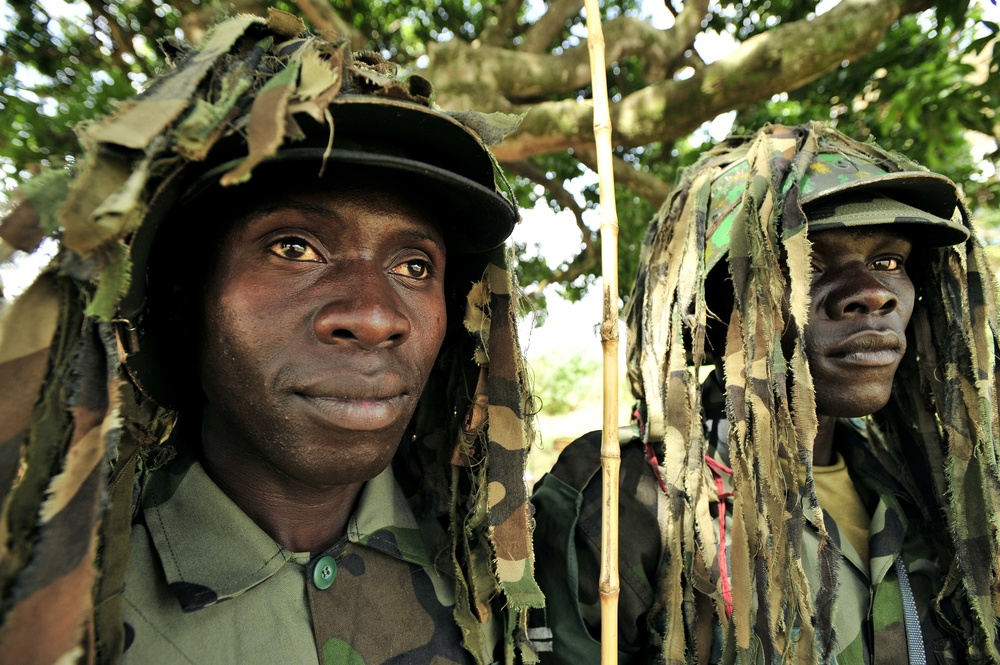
(415, 269)
(887, 264)
(295, 249)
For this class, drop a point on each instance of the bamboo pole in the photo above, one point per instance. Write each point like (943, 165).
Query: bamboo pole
(610, 447)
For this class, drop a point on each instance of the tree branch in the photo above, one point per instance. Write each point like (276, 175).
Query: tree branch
(780, 60)
(526, 169)
(687, 26)
(522, 77)
(644, 184)
(586, 262)
(551, 24)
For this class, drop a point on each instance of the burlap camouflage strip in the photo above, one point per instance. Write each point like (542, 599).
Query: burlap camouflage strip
(74, 433)
(945, 396)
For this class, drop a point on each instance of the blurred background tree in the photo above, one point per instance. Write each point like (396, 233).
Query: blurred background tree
(921, 78)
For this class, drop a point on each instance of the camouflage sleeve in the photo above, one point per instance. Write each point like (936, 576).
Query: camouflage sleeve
(567, 545)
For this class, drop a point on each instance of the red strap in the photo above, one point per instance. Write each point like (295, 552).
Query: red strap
(655, 463)
(717, 471)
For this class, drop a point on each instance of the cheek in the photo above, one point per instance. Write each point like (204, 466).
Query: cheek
(233, 335)
(907, 301)
(439, 326)
(431, 324)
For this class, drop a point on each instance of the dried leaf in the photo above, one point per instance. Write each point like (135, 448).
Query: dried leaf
(98, 180)
(319, 75)
(285, 24)
(266, 128)
(138, 122)
(114, 213)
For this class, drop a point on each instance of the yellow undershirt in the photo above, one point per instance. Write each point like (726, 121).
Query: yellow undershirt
(840, 500)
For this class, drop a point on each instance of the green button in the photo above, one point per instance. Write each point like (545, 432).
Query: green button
(325, 572)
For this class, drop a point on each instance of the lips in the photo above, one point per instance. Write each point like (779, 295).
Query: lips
(869, 348)
(359, 415)
(355, 393)
(358, 403)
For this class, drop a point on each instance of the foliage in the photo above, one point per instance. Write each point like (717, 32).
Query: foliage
(923, 80)
(564, 381)
(918, 93)
(57, 71)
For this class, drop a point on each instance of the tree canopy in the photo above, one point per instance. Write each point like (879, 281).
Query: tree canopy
(921, 78)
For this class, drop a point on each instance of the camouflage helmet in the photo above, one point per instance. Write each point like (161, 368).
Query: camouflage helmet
(841, 188)
(796, 178)
(258, 96)
(266, 98)
(754, 200)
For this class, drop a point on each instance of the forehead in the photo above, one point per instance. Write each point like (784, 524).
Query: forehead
(355, 199)
(848, 240)
(873, 232)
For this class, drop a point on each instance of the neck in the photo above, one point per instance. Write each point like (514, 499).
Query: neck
(297, 517)
(823, 445)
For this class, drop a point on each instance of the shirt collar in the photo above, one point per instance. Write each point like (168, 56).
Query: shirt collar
(211, 550)
(384, 521)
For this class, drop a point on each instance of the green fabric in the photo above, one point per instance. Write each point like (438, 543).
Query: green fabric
(71, 380)
(203, 571)
(568, 506)
(940, 429)
(558, 505)
(867, 618)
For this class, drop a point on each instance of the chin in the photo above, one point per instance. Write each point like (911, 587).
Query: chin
(856, 406)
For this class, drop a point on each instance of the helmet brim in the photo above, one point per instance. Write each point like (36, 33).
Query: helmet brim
(868, 207)
(398, 136)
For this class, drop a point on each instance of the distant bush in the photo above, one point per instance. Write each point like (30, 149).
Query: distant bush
(566, 381)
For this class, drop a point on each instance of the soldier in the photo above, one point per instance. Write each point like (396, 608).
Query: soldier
(829, 491)
(274, 418)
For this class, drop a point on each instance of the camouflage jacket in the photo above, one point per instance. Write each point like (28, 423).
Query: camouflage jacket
(868, 615)
(193, 548)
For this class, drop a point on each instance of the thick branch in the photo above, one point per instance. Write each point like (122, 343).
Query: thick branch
(780, 60)
(519, 77)
(687, 26)
(586, 262)
(552, 23)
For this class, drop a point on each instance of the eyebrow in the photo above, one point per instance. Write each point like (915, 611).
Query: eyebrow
(281, 204)
(419, 233)
(416, 232)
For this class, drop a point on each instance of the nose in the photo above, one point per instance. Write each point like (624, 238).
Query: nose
(859, 292)
(366, 313)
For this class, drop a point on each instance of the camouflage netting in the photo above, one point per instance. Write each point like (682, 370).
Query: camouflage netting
(77, 437)
(944, 397)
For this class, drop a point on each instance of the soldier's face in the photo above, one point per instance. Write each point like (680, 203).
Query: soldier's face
(322, 320)
(861, 302)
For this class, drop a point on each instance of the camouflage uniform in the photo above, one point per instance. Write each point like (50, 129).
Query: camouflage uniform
(868, 618)
(207, 585)
(784, 584)
(90, 431)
